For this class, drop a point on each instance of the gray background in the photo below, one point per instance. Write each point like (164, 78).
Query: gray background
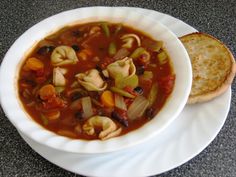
(214, 17)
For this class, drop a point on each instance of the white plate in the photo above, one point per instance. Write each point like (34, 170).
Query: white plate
(187, 136)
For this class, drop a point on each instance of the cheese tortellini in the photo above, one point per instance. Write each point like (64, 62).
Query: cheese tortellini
(109, 128)
(91, 80)
(58, 76)
(63, 55)
(129, 39)
(122, 68)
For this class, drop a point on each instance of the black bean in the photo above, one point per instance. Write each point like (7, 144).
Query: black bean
(75, 47)
(140, 70)
(139, 90)
(101, 73)
(115, 115)
(45, 50)
(98, 68)
(149, 113)
(76, 96)
(79, 115)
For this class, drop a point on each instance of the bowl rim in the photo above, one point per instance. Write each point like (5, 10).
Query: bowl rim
(35, 131)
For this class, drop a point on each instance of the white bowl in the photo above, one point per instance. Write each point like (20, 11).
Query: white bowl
(22, 121)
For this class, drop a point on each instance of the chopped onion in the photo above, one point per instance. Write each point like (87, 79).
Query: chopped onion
(152, 45)
(87, 107)
(120, 54)
(105, 73)
(119, 102)
(137, 108)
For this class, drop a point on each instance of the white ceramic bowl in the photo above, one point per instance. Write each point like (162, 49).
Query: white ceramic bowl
(22, 121)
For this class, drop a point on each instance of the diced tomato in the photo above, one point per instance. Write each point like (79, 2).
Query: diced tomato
(128, 101)
(167, 83)
(144, 60)
(40, 80)
(106, 62)
(39, 72)
(54, 102)
(130, 90)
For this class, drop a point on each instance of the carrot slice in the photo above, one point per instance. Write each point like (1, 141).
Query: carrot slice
(47, 91)
(53, 115)
(107, 98)
(34, 64)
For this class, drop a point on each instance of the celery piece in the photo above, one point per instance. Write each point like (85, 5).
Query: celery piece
(162, 57)
(118, 28)
(44, 119)
(122, 82)
(112, 49)
(137, 52)
(59, 89)
(121, 92)
(153, 94)
(105, 28)
(147, 75)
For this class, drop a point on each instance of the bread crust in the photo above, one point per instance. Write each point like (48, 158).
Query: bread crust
(223, 86)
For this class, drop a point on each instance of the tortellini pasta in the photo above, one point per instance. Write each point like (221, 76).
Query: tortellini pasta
(63, 55)
(58, 76)
(122, 68)
(109, 128)
(129, 39)
(91, 80)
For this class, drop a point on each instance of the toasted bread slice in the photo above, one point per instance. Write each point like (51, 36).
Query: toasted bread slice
(213, 66)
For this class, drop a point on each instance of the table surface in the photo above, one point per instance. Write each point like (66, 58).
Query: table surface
(215, 17)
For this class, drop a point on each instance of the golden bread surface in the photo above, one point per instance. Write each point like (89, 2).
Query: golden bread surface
(213, 66)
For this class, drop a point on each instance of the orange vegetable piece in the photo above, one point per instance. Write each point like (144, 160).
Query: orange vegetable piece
(107, 98)
(52, 115)
(47, 91)
(67, 133)
(84, 54)
(34, 64)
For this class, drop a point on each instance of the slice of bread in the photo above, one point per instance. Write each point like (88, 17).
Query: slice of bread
(213, 66)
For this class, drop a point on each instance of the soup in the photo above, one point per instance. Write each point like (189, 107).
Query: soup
(95, 81)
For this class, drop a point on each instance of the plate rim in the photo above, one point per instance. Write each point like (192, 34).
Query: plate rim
(203, 147)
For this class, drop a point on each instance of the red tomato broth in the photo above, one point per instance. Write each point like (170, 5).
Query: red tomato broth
(72, 36)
